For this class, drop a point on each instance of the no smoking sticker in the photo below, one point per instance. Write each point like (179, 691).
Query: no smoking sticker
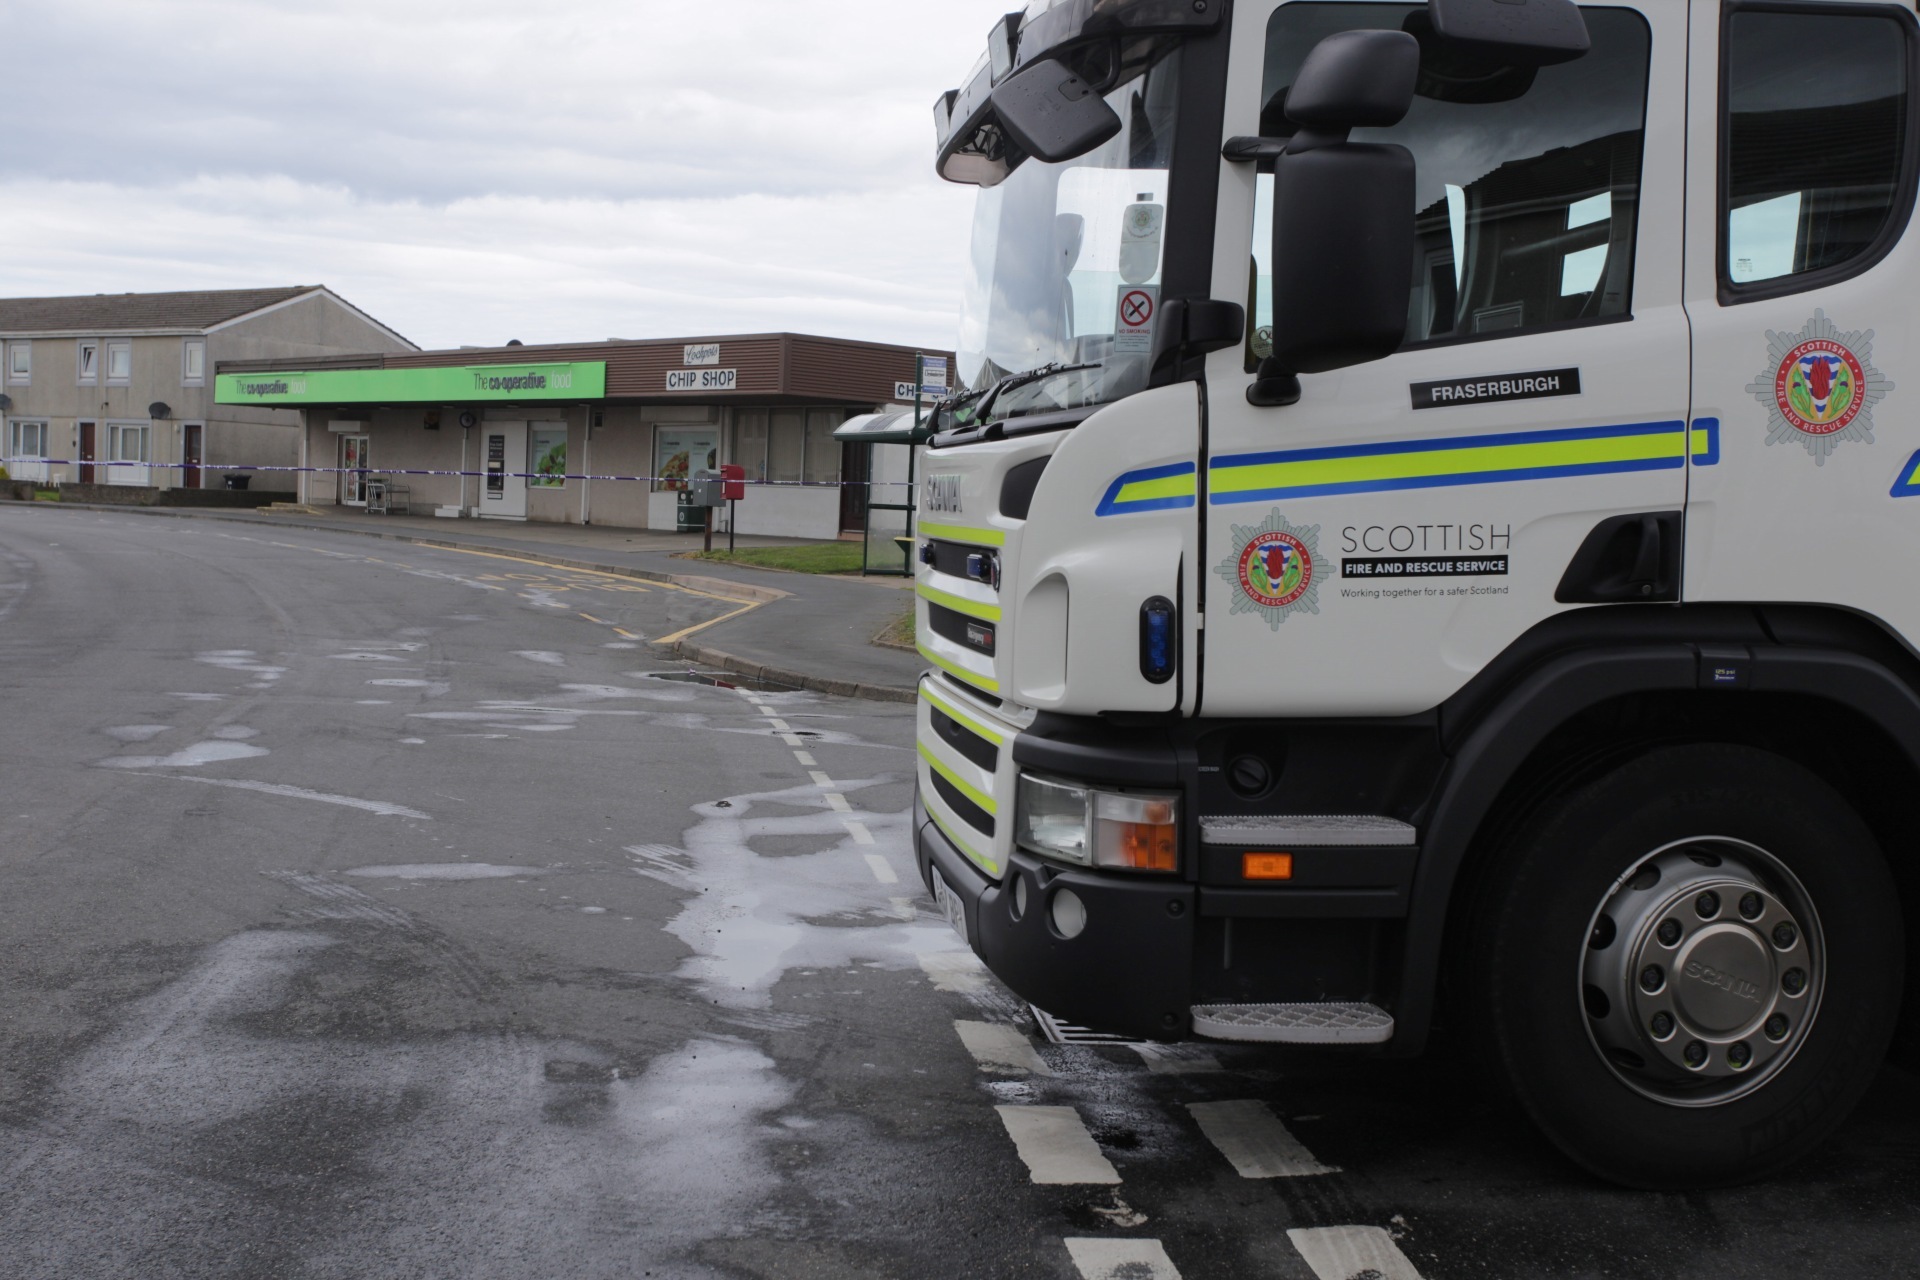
(1133, 319)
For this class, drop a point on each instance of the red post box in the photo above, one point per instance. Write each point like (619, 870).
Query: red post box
(733, 478)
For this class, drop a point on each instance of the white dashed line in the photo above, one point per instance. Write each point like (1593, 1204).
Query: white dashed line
(904, 908)
(959, 971)
(1121, 1259)
(860, 833)
(764, 710)
(1254, 1141)
(792, 739)
(779, 725)
(995, 1046)
(805, 759)
(838, 802)
(882, 869)
(1056, 1146)
(1339, 1253)
(820, 779)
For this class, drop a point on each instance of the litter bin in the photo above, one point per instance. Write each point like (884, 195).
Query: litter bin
(688, 517)
(238, 482)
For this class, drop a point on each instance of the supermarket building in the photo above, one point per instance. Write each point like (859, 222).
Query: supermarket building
(595, 433)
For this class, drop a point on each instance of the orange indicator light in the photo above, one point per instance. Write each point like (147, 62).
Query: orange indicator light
(1266, 866)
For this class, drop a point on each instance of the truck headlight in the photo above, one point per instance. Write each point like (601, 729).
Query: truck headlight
(1119, 831)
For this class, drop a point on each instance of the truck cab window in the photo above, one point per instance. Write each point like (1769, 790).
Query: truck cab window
(1527, 184)
(1815, 133)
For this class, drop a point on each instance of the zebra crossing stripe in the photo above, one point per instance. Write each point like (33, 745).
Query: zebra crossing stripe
(999, 1047)
(1056, 1146)
(1254, 1141)
(1098, 1259)
(1341, 1253)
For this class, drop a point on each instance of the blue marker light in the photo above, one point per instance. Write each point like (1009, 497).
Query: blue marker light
(1159, 640)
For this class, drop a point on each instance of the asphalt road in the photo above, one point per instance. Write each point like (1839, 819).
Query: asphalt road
(379, 911)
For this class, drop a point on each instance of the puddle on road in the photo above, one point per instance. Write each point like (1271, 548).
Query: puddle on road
(190, 757)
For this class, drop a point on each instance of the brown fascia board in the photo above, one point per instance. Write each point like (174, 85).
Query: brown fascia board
(513, 355)
(311, 364)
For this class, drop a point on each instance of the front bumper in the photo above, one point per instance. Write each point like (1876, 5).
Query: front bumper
(1129, 971)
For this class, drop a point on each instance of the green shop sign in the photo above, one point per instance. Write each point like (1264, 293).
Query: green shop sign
(583, 380)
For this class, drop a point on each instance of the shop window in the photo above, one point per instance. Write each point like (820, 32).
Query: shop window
(193, 363)
(823, 451)
(750, 443)
(119, 363)
(786, 445)
(89, 361)
(1816, 133)
(19, 362)
(1532, 230)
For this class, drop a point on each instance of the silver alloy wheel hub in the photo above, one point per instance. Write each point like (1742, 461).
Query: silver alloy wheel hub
(1702, 971)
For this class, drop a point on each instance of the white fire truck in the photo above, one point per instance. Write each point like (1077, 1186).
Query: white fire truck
(1428, 544)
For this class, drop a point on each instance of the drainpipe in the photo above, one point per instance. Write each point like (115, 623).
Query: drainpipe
(586, 461)
(465, 431)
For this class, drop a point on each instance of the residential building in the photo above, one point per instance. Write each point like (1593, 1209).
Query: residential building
(118, 388)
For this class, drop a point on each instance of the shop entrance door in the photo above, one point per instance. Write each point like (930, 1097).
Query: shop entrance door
(86, 453)
(190, 455)
(353, 470)
(503, 451)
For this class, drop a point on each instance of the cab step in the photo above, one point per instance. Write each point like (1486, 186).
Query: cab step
(1294, 1023)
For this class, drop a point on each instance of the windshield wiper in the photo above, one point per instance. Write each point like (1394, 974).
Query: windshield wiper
(1014, 381)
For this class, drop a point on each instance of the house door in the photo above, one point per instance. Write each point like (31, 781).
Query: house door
(503, 494)
(856, 468)
(354, 462)
(190, 455)
(86, 453)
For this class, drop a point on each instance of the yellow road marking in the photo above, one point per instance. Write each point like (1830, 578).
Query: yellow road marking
(685, 632)
(590, 618)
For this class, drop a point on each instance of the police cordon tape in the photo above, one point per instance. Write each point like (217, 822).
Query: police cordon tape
(10, 463)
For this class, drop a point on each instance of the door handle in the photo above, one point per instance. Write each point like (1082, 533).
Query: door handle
(1632, 558)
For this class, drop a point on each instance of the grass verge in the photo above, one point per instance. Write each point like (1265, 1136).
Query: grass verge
(898, 634)
(816, 557)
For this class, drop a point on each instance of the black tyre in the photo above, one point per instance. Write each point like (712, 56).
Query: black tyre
(1687, 971)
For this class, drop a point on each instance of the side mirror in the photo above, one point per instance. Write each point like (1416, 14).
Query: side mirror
(1342, 214)
(1052, 114)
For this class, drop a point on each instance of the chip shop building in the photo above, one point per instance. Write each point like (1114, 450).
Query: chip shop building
(596, 433)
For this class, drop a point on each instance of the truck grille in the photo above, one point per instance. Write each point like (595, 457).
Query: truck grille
(964, 740)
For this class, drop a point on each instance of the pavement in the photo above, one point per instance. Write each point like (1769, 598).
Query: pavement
(375, 909)
(811, 631)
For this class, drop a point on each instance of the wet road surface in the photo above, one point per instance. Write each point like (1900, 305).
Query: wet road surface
(381, 911)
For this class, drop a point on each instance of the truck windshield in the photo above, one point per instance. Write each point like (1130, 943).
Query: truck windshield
(1065, 263)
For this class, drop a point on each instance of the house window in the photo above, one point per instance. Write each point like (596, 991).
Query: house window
(89, 361)
(119, 363)
(19, 362)
(127, 443)
(26, 441)
(193, 363)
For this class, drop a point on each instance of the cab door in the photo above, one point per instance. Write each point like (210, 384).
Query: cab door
(1372, 546)
(1800, 284)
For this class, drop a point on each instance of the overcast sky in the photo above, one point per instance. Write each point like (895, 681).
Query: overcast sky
(474, 171)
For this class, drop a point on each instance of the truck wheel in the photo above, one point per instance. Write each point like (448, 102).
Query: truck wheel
(1688, 970)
